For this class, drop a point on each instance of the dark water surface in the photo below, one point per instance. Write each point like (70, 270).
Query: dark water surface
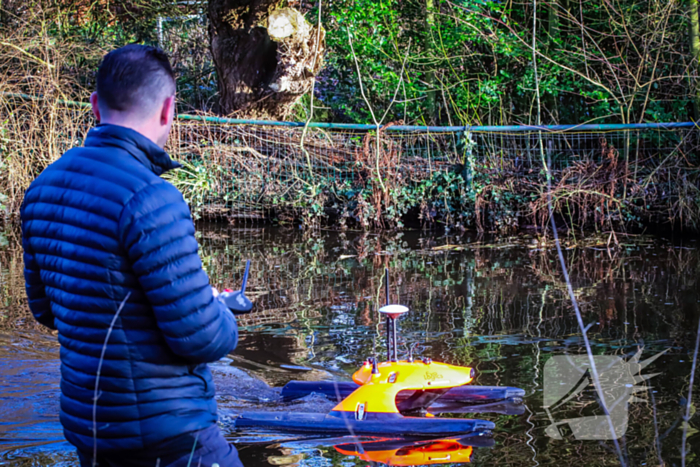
(499, 306)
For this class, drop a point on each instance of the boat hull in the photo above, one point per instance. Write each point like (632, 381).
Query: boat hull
(374, 424)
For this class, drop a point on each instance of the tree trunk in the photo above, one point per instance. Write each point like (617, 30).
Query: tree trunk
(695, 48)
(266, 57)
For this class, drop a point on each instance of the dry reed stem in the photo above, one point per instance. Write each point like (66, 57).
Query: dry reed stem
(96, 395)
(689, 402)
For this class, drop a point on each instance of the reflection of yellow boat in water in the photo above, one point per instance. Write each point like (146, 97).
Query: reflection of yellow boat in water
(393, 451)
(434, 452)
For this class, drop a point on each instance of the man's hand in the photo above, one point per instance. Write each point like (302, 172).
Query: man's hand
(215, 292)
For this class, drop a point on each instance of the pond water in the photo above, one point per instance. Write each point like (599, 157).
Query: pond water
(499, 306)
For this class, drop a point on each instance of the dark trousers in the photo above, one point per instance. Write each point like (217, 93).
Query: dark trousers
(211, 448)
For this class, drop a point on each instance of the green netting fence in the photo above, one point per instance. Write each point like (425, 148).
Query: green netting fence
(265, 156)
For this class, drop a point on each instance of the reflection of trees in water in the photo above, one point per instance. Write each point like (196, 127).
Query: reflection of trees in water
(14, 312)
(335, 280)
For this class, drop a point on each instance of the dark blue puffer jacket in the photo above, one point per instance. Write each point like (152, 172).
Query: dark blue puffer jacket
(97, 225)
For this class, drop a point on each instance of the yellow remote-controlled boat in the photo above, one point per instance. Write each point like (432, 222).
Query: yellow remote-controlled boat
(392, 397)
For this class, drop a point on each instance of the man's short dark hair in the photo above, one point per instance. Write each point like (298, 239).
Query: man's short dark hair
(134, 78)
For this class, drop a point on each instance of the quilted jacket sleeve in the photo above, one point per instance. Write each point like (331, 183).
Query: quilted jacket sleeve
(39, 303)
(158, 235)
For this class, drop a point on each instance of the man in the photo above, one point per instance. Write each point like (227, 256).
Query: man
(112, 263)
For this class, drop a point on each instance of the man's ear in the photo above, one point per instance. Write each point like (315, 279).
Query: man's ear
(95, 107)
(168, 111)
